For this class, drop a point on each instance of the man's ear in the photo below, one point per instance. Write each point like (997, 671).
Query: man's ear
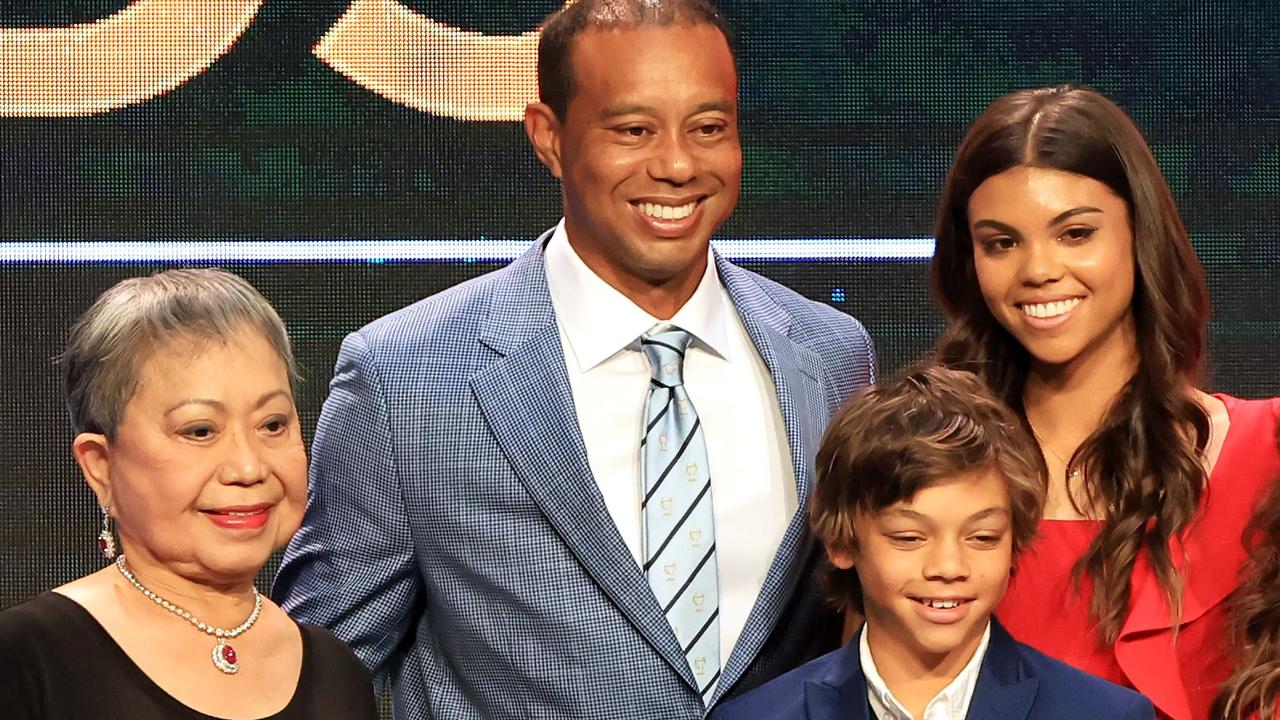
(841, 558)
(92, 452)
(542, 127)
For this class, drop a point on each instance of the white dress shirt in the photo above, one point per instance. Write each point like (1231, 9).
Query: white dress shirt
(951, 703)
(752, 481)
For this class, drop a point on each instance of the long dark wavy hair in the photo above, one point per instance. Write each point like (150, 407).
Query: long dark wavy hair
(1255, 621)
(1143, 465)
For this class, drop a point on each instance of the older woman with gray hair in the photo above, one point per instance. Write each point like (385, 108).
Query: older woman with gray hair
(180, 388)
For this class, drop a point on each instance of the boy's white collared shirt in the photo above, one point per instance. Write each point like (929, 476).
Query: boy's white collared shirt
(951, 703)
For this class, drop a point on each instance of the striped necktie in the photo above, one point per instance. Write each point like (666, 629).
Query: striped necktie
(679, 527)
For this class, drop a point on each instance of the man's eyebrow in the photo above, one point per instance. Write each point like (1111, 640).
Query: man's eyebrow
(714, 106)
(637, 109)
(616, 110)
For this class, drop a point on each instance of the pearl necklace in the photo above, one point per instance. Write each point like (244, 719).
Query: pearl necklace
(223, 655)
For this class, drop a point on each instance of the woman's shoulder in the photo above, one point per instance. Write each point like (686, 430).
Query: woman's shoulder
(45, 614)
(1248, 463)
(335, 680)
(1252, 416)
(1249, 457)
(43, 653)
(58, 619)
(321, 644)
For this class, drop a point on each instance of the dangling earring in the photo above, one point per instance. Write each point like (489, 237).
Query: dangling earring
(106, 540)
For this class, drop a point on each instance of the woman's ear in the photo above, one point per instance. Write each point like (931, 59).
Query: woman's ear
(92, 452)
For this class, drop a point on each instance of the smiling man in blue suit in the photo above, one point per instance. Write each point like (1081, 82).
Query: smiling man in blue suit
(572, 488)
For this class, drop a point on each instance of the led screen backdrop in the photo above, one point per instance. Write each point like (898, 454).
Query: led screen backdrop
(351, 157)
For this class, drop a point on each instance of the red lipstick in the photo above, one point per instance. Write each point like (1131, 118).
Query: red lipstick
(240, 517)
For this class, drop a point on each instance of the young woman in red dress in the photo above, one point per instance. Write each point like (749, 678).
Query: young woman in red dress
(1071, 287)
(1253, 689)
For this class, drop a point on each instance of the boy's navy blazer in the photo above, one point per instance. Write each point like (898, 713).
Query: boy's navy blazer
(1016, 682)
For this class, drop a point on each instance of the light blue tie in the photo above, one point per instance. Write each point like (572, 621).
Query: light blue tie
(679, 527)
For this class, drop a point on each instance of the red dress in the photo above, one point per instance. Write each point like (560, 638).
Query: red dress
(1180, 677)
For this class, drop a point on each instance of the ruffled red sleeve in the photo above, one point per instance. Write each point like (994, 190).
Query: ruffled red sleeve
(1181, 678)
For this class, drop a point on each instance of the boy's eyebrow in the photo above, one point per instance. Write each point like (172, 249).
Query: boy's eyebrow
(980, 515)
(903, 512)
(984, 514)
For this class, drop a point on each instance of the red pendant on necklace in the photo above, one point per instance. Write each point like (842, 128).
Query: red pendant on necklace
(224, 657)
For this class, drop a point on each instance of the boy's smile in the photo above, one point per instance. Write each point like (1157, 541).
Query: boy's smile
(944, 610)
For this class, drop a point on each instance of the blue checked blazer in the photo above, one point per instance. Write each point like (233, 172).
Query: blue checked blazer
(1015, 682)
(456, 539)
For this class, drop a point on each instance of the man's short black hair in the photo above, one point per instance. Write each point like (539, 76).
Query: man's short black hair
(555, 46)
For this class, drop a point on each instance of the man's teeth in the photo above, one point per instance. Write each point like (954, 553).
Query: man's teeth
(1050, 309)
(667, 212)
(940, 604)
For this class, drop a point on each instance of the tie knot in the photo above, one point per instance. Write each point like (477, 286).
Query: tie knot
(665, 352)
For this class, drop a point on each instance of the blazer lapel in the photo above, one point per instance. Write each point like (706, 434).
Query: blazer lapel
(824, 702)
(841, 692)
(797, 380)
(1004, 691)
(526, 397)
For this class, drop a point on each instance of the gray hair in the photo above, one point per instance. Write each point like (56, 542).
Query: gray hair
(134, 316)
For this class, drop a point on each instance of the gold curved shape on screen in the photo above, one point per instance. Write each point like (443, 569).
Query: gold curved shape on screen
(427, 65)
(144, 50)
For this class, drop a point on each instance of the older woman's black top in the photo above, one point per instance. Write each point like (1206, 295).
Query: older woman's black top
(56, 663)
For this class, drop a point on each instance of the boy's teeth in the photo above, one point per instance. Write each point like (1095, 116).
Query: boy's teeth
(941, 604)
(1050, 309)
(668, 212)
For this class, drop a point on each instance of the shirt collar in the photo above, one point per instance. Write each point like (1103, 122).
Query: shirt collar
(599, 321)
(954, 698)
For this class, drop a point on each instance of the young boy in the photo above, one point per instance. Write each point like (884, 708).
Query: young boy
(927, 490)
